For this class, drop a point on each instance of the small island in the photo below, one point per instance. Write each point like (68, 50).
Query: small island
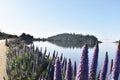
(69, 37)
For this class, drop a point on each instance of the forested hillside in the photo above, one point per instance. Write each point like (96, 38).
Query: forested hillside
(66, 37)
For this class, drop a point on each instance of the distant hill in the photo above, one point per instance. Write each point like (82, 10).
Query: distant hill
(6, 35)
(67, 37)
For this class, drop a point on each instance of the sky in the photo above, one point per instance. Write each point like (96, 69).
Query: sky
(44, 18)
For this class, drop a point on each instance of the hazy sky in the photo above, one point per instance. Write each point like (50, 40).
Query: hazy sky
(43, 18)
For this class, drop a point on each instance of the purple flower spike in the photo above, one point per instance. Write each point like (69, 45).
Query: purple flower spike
(94, 64)
(57, 70)
(82, 72)
(104, 68)
(61, 57)
(116, 67)
(69, 73)
(111, 66)
(75, 69)
(64, 65)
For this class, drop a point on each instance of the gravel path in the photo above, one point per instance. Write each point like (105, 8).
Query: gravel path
(3, 51)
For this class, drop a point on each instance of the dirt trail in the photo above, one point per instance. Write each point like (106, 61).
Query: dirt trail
(3, 51)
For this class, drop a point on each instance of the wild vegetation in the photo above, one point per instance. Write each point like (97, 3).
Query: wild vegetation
(30, 63)
(27, 38)
(5, 35)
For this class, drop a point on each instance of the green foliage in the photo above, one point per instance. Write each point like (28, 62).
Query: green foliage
(27, 38)
(5, 35)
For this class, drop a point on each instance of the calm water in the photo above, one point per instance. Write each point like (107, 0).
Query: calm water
(75, 52)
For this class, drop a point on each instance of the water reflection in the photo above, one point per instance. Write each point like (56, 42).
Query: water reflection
(70, 44)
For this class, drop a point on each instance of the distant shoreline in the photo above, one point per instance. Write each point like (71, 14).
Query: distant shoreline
(116, 42)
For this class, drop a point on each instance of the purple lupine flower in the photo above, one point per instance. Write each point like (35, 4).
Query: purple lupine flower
(45, 51)
(69, 73)
(116, 67)
(33, 48)
(111, 65)
(61, 57)
(82, 72)
(53, 55)
(64, 65)
(104, 68)
(56, 55)
(37, 50)
(75, 69)
(57, 70)
(63, 62)
(94, 64)
(51, 72)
